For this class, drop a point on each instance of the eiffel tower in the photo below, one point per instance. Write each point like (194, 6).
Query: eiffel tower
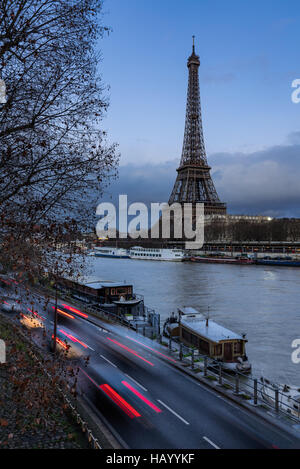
(194, 183)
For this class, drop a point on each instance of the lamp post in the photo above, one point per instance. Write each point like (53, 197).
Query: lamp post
(55, 318)
(2, 92)
(56, 300)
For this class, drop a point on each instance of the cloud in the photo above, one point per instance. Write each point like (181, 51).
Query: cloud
(293, 138)
(263, 182)
(145, 183)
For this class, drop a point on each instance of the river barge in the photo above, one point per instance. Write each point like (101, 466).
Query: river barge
(210, 338)
(223, 260)
(279, 261)
(113, 296)
(114, 253)
(155, 254)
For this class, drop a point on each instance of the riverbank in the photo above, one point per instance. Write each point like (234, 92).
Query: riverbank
(32, 413)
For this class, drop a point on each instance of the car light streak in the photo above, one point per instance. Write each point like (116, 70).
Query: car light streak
(153, 350)
(60, 342)
(36, 314)
(74, 310)
(94, 382)
(135, 381)
(117, 399)
(14, 281)
(64, 313)
(129, 350)
(5, 281)
(74, 339)
(143, 398)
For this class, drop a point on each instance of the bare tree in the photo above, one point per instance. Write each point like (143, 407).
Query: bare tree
(54, 159)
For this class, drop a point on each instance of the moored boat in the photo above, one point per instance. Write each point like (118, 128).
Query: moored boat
(223, 260)
(118, 253)
(288, 396)
(155, 254)
(279, 261)
(210, 338)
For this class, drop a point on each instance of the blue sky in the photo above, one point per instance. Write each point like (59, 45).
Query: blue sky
(249, 52)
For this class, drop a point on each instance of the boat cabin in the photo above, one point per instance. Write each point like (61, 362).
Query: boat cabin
(210, 338)
(100, 291)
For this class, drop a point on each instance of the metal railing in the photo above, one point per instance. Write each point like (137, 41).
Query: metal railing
(258, 392)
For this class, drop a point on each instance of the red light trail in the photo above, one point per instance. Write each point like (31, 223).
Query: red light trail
(143, 398)
(60, 311)
(153, 350)
(74, 310)
(74, 339)
(130, 350)
(115, 397)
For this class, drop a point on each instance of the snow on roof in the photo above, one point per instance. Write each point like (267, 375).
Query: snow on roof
(189, 310)
(213, 332)
(95, 282)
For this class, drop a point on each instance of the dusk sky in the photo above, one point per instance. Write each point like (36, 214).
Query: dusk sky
(249, 54)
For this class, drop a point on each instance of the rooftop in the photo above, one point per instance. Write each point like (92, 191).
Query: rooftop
(94, 282)
(189, 310)
(213, 332)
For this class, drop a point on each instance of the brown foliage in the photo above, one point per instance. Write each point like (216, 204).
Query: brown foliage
(53, 151)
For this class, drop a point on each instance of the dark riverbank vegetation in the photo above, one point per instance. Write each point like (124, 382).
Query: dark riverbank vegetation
(281, 229)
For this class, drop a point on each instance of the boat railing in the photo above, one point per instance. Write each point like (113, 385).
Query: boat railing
(138, 296)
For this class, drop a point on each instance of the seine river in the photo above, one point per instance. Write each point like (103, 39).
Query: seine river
(263, 302)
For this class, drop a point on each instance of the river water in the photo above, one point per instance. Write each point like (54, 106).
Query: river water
(262, 301)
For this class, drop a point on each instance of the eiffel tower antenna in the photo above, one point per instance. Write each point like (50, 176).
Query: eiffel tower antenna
(194, 183)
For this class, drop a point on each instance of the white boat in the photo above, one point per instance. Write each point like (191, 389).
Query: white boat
(118, 253)
(123, 302)
(288, 396)
(155, 254)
